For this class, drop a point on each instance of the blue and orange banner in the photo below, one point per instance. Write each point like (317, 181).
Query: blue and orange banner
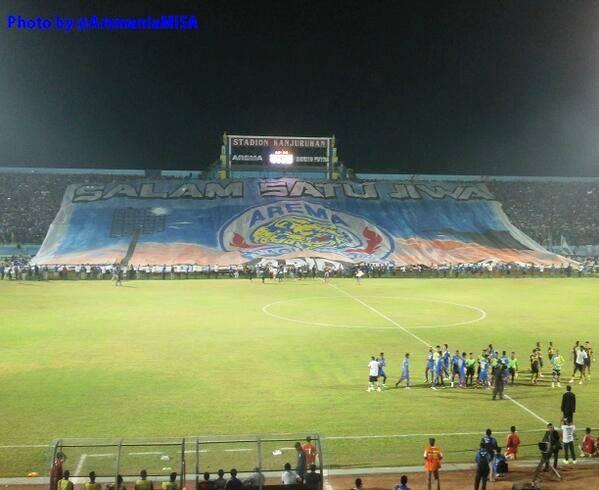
(232, 222)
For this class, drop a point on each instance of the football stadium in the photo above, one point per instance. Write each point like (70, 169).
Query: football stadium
(283, 317)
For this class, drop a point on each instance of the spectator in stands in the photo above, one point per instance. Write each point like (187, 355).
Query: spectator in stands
(143, 483)
(220, 482)
(233, 483)
(288, 477)
(91, 484)
(300, 465)
(312, 480)
(548, 211)
(255, 479)
(403, 483)
(207, 484)
(65, 483)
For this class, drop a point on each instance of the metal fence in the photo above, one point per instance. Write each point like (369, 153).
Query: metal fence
(189, 457)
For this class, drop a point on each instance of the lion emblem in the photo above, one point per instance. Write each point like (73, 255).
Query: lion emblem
(302, 233)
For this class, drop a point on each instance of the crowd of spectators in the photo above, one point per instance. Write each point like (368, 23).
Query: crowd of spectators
(20, 268)
(545, 211)
(29, 202)
(548, 211)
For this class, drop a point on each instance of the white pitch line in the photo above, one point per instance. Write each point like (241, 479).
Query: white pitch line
(82, 459)
(27, 446)
(237, 450)
(382, 315)
(526, 409)
(442, 434)
(369, 436)
(145, 453)
(482, 314)
(106, 455)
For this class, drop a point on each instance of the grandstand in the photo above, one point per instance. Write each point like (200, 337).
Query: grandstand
(555, 213)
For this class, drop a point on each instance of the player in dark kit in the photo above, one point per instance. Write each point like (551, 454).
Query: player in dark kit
(382, 365)
(534, 366)
(119, 276)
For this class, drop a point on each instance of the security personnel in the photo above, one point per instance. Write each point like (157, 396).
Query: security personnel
(172, 483)
(91, 484)
(498, 378)
(432, 463)
(483, 461)
(65, 483)
(143, 483)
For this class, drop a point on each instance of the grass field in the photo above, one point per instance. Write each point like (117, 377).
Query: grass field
(175, 358)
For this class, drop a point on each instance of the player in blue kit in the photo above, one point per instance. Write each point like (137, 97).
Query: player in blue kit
(456, 361)
(438, 370)
(462, 371)
(430, 365)
(405, 371)
(446, 361)
(505, 360)
(382, 365)
(484, 371)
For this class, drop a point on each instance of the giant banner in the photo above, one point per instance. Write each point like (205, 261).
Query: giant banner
(232, 222)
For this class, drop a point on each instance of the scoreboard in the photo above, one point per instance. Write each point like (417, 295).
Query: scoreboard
(278, 153)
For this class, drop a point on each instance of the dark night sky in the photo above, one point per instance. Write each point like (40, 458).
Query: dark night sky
(488, 87)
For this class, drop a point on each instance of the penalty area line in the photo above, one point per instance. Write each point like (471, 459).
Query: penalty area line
(390, 320)
(82, 459)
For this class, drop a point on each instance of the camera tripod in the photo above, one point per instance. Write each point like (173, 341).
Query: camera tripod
(545, 461)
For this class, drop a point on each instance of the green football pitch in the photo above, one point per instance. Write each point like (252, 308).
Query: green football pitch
(180, 358)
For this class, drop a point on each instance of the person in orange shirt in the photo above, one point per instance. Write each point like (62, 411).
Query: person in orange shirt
(56, 470)
(432, 463)
(512, 443)
(310, 451)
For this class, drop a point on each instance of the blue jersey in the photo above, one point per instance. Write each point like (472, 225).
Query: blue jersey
(405, 367)
(382, 365)
(439, 365)
(460, 363)
(483, 458)
(484, 365)
(446, 357)
(429, 360)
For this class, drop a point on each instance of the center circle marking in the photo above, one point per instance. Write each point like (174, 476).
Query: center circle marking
(482, 314)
